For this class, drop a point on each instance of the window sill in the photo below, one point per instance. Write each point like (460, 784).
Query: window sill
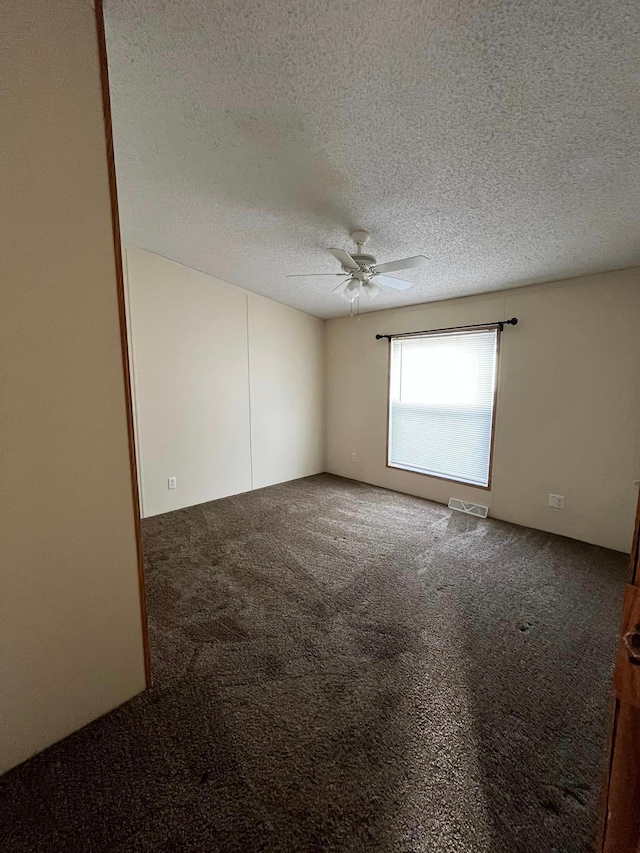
(441, 477)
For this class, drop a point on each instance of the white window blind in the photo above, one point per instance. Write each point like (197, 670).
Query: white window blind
(441, 400)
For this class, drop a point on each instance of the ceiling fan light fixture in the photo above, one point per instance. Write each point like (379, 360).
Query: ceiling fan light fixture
(351, 290)
(364, 274)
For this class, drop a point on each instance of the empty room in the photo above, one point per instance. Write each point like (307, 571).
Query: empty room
(320, 426)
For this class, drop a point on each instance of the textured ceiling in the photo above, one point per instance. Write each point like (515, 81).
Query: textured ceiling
(501, 138)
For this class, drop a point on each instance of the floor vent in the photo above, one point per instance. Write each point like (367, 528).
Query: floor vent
(469, 508)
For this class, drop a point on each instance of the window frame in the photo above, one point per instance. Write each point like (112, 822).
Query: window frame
(494, 412)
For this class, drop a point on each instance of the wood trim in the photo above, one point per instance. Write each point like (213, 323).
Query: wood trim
(626, 676)
(622, 831)
(606, 778)
(634, 564)
(117, 246)
(619, 830)
(488, 487)
(134, 383)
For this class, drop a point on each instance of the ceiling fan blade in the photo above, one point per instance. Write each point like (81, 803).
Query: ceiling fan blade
(395, 283)
(341, 286)
(308, 274)
(345, 259)
(402, 264)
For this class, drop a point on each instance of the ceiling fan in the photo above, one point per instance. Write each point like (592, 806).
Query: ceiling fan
(364, 274)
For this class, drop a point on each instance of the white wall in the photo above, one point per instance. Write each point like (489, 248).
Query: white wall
(568, 415)
(228, 385)
(287, 372)
(70, 623)
(190, 382)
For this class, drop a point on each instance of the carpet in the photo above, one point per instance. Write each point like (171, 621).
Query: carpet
(342, 668)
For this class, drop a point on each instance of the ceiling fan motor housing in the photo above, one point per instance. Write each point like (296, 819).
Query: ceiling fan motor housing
(365, 262)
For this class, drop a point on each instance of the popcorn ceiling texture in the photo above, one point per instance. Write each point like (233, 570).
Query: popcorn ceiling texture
(501, 139)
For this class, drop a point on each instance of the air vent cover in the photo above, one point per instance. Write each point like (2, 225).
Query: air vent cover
(471, 509)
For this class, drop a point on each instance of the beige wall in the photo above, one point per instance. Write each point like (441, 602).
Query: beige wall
(568, 417)
(286, 360)
(228, 385)
(188, 337)
(70, 625)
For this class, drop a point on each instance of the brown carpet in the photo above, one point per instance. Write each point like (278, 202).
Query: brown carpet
(338, 667)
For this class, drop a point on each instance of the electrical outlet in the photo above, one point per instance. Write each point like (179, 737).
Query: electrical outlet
(353, 457)
(172, 483)
(556, 501)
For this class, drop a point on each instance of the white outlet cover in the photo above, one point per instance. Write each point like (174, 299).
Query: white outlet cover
(556, 501)
(353, 457)
(172, 483)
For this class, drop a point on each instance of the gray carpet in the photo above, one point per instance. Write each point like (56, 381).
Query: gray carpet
(338, 667)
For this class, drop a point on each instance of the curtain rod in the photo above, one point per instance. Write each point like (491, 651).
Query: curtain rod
(499, 324)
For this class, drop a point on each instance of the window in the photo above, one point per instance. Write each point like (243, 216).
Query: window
(441, 402)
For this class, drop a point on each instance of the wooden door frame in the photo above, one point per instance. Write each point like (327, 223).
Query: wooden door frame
(117, 247)
(620, 822)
